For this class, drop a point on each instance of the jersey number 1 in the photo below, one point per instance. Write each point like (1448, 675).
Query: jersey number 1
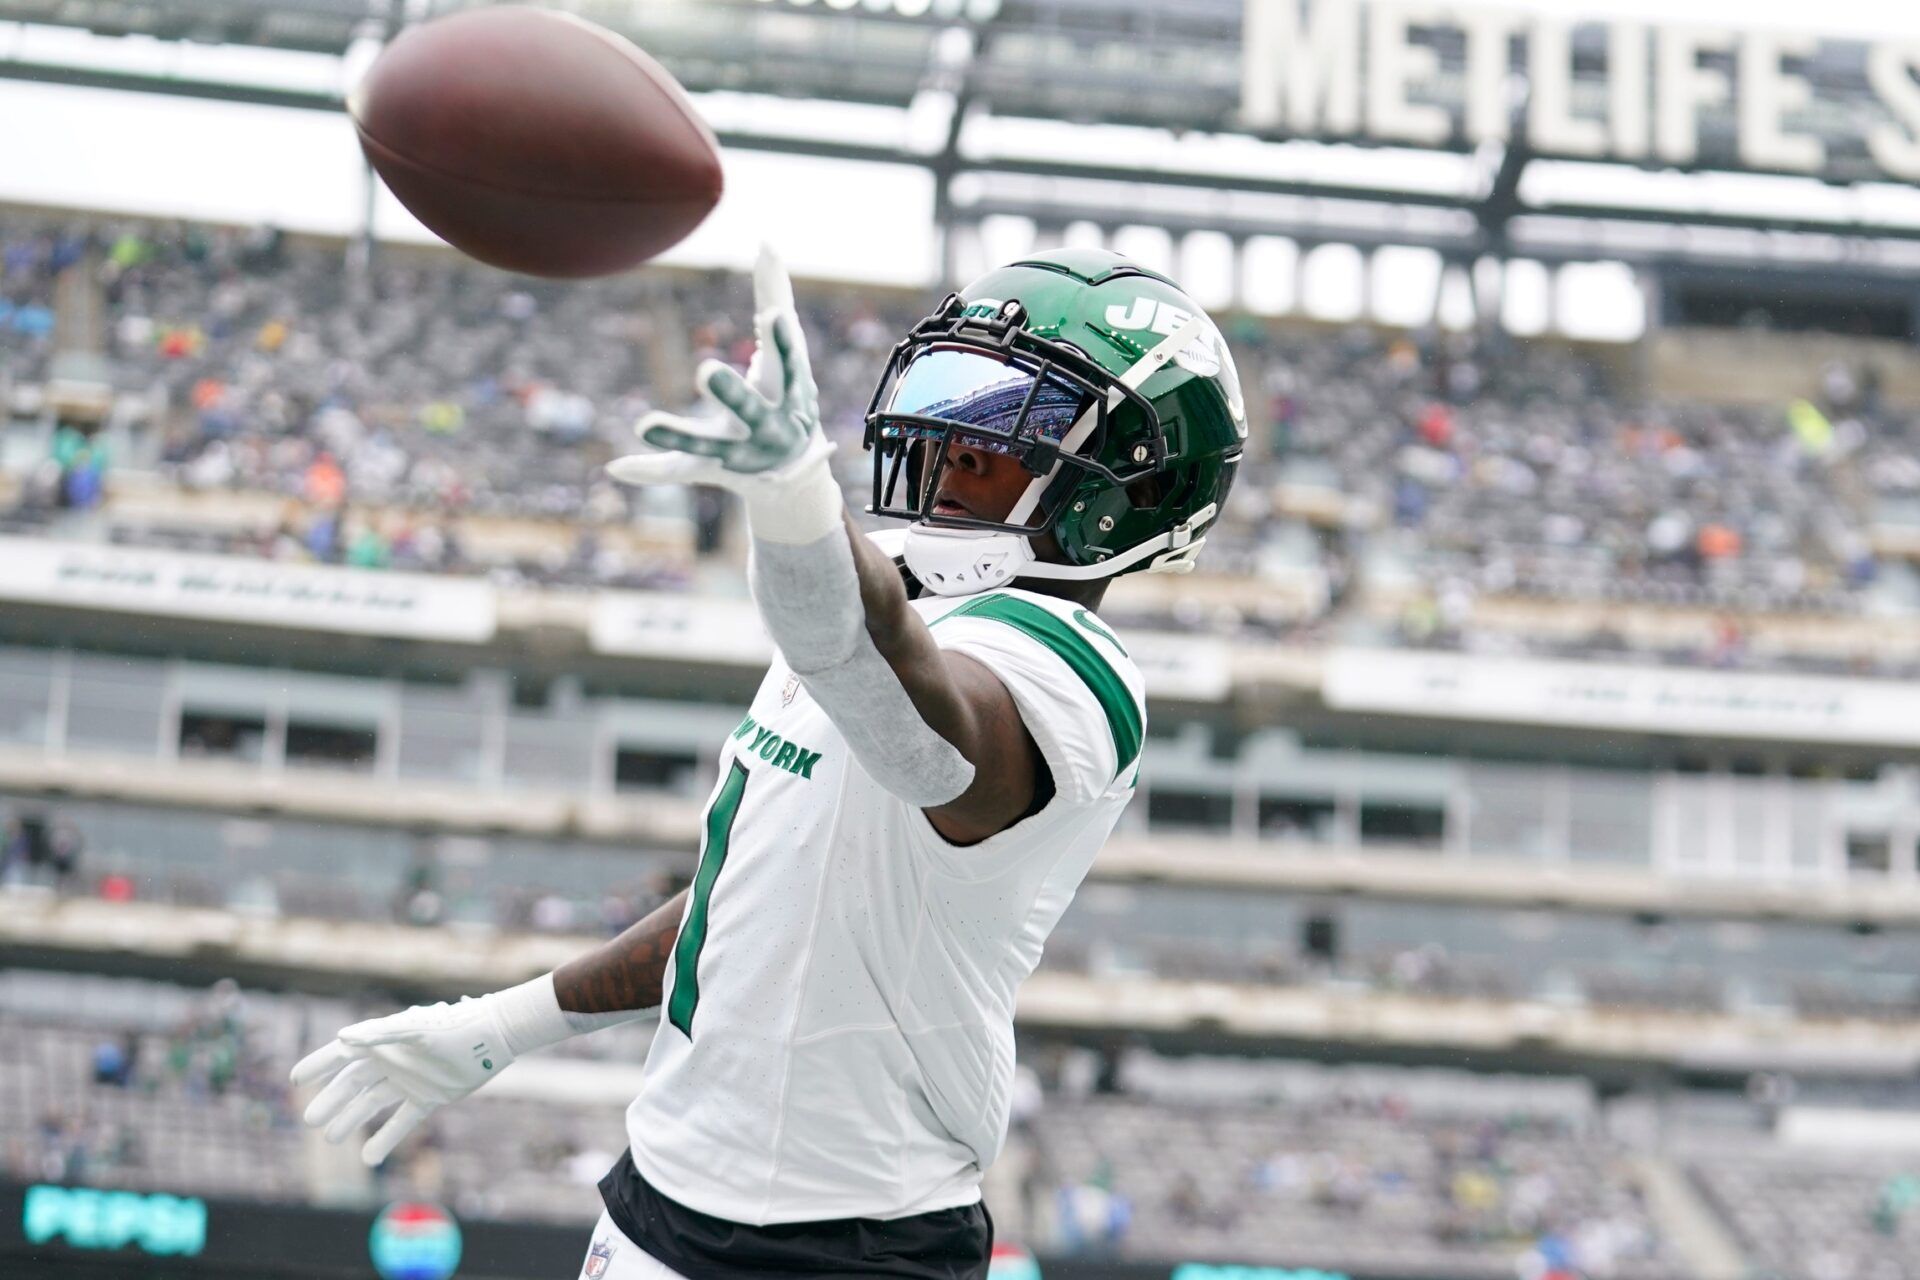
(693, 933)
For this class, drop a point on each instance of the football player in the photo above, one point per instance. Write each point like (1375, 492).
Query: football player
(944, 742)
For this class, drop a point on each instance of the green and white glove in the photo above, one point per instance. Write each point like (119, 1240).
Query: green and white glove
(766, 445)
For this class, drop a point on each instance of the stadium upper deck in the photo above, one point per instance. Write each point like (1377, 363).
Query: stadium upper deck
(1425, 487)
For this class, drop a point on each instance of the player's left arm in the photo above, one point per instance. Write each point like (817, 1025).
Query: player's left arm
(421, 1059)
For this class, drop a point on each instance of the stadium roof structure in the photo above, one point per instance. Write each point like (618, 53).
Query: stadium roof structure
(1146, 108)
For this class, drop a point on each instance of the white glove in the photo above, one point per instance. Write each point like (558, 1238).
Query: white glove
(423, 1058)
(767, 447)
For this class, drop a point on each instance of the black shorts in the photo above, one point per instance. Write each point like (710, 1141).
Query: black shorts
(947, 1244)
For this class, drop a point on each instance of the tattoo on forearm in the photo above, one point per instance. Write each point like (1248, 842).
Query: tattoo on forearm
(627, 973)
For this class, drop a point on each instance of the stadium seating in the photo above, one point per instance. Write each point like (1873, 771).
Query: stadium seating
(204, 1107)
(1410, 1171)
(1362, 1188)
(31, 258)
(527, 885)
(1819, 1216)
(1448, 470)
(1402, 1170)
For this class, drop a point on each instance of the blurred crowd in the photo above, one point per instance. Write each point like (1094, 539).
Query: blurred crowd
(1516, 467)
(435, 895)
(31, 259)
(89, 1131)
(1113, 1165)
(381, 405)
(551, 889)
(1114, 1150)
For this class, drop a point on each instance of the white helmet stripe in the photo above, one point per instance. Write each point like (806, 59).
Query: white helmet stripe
(1137, 373)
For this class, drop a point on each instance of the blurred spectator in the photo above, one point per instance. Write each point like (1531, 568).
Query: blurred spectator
(82, 464)
(367, 547)
(419, 901)
(1898, 1197)
(114, 1060)
(40, 848)
(1090, 1217)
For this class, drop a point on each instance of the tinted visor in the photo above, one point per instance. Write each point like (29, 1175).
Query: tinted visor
(966, 388)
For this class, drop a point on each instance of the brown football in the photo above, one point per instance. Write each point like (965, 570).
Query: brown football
(537, 142)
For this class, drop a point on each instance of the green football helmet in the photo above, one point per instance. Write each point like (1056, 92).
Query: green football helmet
(1107, 382)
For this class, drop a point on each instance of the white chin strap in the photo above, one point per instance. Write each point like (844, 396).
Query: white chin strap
(962, 562)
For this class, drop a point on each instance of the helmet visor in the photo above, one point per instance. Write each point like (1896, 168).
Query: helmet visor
(969, 398)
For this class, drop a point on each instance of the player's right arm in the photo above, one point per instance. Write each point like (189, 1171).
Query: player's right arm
(921, 727)
(960, 699)
(423, 1058)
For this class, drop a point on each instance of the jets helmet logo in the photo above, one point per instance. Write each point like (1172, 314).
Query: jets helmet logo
(1202, 356)
(1206, 355)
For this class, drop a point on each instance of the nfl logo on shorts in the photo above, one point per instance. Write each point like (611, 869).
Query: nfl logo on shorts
(597, 1259)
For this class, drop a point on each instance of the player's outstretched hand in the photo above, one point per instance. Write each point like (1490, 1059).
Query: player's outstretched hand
(421, 1059)
(765, 442)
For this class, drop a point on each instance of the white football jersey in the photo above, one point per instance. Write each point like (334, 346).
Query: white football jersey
(836, 1039)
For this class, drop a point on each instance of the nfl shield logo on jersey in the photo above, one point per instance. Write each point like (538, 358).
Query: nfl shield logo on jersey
(788, 694)
(597, 1259)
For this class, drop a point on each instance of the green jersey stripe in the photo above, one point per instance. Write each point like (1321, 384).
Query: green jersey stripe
(685, 997)
(1123, 713)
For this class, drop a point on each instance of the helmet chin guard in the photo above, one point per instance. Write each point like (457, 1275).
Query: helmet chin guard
(960, 562)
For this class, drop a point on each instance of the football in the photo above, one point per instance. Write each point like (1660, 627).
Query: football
(537, 142)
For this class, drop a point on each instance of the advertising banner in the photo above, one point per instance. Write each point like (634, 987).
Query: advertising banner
(1608, 696)
(680, 628)
(49, 1232)
(237, 589)
(1182, 667)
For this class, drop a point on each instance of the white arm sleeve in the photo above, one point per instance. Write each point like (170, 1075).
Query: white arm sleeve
(810, 598)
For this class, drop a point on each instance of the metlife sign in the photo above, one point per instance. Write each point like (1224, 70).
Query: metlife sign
(1641, 92)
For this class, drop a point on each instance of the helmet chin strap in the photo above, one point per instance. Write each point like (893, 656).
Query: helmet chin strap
(962, 562)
